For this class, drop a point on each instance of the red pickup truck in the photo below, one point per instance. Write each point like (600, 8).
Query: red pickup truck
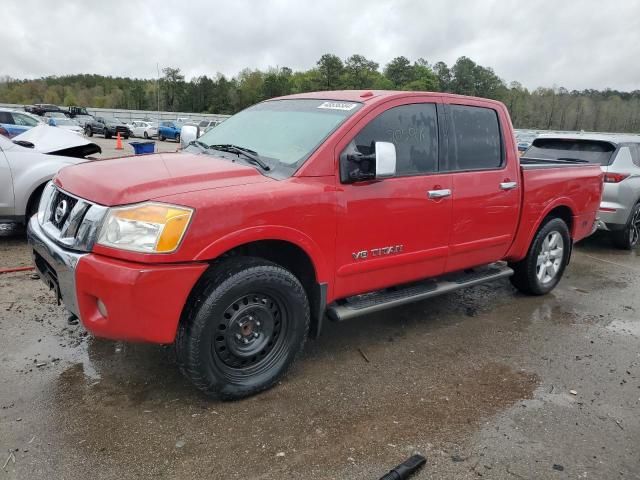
(301, 208)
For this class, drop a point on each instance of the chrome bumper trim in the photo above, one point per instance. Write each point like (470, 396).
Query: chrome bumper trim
(62, 262)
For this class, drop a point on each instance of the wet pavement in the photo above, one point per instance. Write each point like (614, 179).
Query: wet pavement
(485, 382)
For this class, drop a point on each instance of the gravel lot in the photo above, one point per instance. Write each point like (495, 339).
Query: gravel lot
(484, 382)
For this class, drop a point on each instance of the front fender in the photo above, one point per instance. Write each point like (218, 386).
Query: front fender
(28, 178)
(269, 232)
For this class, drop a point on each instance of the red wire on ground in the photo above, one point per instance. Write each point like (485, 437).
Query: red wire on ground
(15, 269)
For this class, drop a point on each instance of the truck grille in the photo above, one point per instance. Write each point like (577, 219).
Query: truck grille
(61, 208)
(70, 221)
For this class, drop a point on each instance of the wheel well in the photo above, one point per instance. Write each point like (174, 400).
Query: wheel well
(563, 212)
(35, 195)
(298, 262)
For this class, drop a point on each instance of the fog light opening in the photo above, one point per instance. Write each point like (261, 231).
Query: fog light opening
(102, 308)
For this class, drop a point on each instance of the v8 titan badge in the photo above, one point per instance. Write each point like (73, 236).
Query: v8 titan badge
(377, 252)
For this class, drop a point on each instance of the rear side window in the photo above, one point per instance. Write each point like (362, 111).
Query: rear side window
(413, 129)
(635, 154)
(593, 151)
(475, 142)
(5, 117)
(24, 120)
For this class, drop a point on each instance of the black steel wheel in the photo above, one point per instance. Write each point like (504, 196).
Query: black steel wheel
(247, 322)
(629, 237)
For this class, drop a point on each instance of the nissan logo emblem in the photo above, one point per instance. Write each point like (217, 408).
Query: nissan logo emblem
(61, 211)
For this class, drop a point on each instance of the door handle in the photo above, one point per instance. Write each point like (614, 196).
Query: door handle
(508, 185)
(439, 193)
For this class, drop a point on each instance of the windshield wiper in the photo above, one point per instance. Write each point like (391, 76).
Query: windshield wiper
(198, 143)
(249, 154)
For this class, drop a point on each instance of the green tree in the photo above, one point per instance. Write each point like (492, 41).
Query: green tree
(400, 71)
(359, 73)
(330, 68)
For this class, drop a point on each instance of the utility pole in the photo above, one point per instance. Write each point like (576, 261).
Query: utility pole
(158, 92)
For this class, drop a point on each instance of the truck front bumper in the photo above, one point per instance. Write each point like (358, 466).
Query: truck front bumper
(116, 299)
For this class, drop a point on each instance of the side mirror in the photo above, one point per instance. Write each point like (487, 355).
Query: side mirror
(356, 167)
(188, 134)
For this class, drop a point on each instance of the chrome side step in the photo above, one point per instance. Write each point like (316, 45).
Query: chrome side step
(392, 297)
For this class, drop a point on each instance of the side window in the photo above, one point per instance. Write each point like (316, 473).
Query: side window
(475, 142)
(5, 117)
(624, 156)
(24, 120)
(413, 129)
(635, 154)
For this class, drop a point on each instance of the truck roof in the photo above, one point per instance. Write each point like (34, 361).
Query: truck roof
(375, 96)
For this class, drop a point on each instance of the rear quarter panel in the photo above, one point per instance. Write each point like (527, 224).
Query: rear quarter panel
(546, 188)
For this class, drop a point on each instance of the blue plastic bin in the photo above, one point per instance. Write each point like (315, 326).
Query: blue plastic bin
(140, 148)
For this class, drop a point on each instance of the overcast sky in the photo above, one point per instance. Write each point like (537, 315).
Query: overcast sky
(575, 44)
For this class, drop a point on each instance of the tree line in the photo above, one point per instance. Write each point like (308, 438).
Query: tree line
(553, 108)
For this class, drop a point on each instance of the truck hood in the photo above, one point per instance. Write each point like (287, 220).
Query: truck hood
(126, 180)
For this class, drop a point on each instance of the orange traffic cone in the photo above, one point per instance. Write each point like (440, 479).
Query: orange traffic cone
(119, 142)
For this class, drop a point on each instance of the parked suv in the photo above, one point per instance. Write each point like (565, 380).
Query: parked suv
(109, 127)
(619, 157)
(42, 108)
(170, 130)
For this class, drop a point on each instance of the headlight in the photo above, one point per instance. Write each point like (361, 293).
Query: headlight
(146, 227)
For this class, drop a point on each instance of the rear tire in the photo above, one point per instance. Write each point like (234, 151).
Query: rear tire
(106, 133)
(146, 135)
(178, 138)
(541, 270)
(245, 325)
(161, 138)
(629, 237)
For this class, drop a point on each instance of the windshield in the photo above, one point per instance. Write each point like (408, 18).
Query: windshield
(282, 132)
(592, 151)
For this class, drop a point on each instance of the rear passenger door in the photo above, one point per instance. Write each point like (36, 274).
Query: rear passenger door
(485, 184)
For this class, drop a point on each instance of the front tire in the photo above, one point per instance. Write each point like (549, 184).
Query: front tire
(178, 138)
(541, 270)
(247, 322)
(629, 237)
(89, 132)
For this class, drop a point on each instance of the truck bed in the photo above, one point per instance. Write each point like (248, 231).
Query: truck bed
(547, 184)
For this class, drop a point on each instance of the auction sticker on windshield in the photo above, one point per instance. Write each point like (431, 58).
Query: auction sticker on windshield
(338, 106)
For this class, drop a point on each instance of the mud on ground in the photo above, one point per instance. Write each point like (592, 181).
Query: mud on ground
(485, 382)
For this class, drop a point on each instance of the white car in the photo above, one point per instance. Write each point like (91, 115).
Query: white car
(206, 125)
(66, 124)
(143, 129)
(29, 161)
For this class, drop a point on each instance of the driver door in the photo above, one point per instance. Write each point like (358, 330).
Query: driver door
(395, 230)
